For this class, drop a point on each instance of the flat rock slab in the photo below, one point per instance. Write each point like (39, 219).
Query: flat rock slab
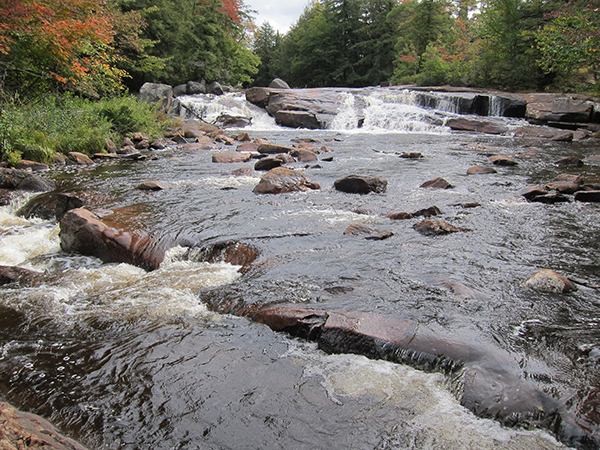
(367, 232)
(476, 125)
(588, 196)
(539, 132)
(480, 170)
(231, 157)
(274, 149)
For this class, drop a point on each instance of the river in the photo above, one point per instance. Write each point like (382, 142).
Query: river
(120, 358)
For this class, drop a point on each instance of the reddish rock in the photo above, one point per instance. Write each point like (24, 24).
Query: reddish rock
(401, 215)
(565, 187)
(231, 157)
(427, 212)
(547, 280)
(281, 180)
(34, 166)
(285, 158)
(21, 430)
(359, 184)
(274, 148)
(200, 145)
(243, 137)
(437, 227)
(152, 186)
(80, 158)
(232, 252)
(305, 155)
(480, 170)
(83, 232)
(437, 183)
(248, 147)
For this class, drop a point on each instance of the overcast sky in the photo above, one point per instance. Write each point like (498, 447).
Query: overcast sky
(281, 14)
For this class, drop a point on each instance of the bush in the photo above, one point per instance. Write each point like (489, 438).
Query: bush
(38, 130)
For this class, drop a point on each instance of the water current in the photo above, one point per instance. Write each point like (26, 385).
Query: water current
(120, 358)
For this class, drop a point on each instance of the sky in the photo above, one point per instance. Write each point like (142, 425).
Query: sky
(281, 14)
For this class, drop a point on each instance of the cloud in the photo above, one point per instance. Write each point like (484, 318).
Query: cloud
(281, 14)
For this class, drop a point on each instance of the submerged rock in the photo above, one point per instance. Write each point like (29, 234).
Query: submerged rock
(503, 160)
(480, 170)
(280, 180)
(152, 186)
(437, 227)
(367, 232)
(547, 280)
(20, 276)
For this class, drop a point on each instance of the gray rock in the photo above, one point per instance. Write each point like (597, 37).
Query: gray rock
(195, 87)
(278, 83)
(215, 88)
(157, 93)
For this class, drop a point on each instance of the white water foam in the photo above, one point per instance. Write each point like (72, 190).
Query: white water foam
(437, 420)
(209, 107)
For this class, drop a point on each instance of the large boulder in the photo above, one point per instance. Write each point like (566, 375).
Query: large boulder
(24, 181)
(559, 108)
(298, 119)
(157, 93)
(280, 180)
(83, 232)
(360, 184)
(278, 83)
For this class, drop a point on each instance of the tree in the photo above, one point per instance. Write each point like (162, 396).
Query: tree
(57, 43)
(267, 45)
(570, 43)
(196, 39)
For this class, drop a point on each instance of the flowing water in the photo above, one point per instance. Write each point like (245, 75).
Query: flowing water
(121, 358)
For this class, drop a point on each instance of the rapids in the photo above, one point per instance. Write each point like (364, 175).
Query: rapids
(119, 358)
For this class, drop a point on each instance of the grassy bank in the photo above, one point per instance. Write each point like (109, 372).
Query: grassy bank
(38, 130)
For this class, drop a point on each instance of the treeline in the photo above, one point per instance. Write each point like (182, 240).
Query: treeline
(507, 44)
(97, 48)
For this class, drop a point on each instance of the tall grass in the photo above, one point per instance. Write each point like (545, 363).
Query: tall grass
(39, 130)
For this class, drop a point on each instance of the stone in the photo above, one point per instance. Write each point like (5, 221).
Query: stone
(480, 126)
(80, 158)
(367, 232)
(427, 212)
(231, 157)
(110, 146)
(83, 232)
(564, 187)
(232, 252)
(34, 166)
(215, 88)
(157, 93)
(247, 147)
(550, 198)
(401, 215)
(298, 119)
(268, 163)
(281, 180)
(243, 137)
(23, 180)
(20, 276)
(547, 280)
(588, 196)
(229, 121)
(411, 155)
(569, 161)
(539, 132)
(278, 83)
(503, 160)
(285, 158)
(195, 87)
(480, 170)
(438, 227)
(360, 184)
(21, 430)
(274, 148)
(530, 192)
(192, 146)
(258, 96)
(68, 201)
(437, 183)
(152, 186)
(179, 90)
(305, 156)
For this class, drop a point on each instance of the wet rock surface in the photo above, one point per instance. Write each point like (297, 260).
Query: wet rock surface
(281, 180)
(360, 184)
